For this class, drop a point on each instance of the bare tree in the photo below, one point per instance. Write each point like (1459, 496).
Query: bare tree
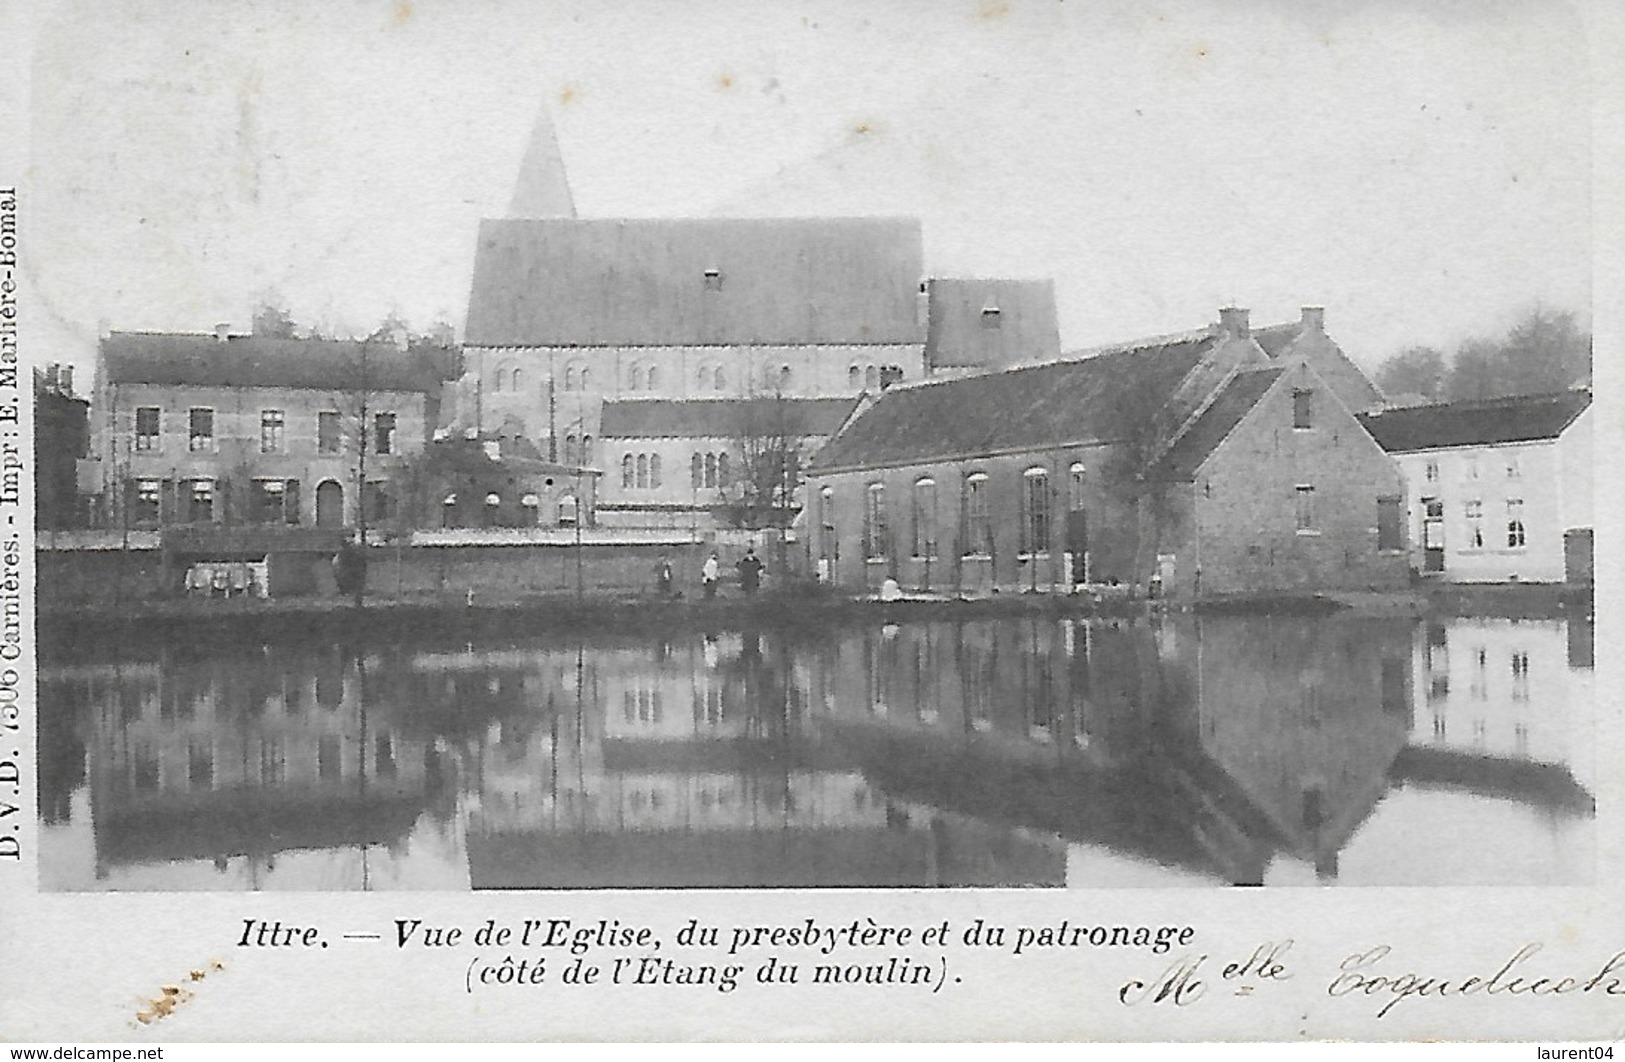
(767, 437)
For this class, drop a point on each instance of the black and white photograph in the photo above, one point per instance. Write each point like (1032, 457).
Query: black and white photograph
(1069, 463)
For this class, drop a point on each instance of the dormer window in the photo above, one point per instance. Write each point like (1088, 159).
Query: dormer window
(990, 317)
(713, 280)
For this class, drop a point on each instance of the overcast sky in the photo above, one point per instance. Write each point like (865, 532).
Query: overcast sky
(1420, 167)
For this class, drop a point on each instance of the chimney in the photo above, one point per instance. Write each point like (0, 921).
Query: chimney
(1314, 318)
(222, 332)
(1233, 320)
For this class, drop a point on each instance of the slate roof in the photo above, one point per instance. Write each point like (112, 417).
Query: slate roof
(1027, 408)
(1215, 424)
(1277, 338)
(958, 336)
(190, 360)
(1524, 418)
(657, 418)
(644, 282)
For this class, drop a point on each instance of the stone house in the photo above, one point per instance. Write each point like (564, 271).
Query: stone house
(1197, 461)
(1497, 490)
(223, 429)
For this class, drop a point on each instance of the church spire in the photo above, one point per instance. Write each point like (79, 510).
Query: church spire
(543, 189)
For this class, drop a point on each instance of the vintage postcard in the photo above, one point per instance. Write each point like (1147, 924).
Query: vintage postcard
(967, 520)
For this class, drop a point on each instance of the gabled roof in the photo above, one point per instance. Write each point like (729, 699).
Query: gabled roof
(191, 360)
(1523, 418)
(1215, 424)
(670, 281)
(990, 323)
(659, 418)
(1068, 401)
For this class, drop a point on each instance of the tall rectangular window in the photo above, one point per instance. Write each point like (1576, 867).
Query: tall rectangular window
(200, 430)
(267, 501)
(1305, 508)
(271, 424)
(1389, 527)
(1474, 511)
(383, 433)
(329, 433)
(200, 507)
(145, 503)
(978, 523)
(925, 518)
(876, 536)
(1303, 409)
(146, 428)
(1035, 510)
(1515, 536)
(826, 509)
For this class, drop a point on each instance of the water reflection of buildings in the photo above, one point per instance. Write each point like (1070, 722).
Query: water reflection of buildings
(687, 763)
(1030, 751)
(238, 761)
(1500, 715)
(1233, 747)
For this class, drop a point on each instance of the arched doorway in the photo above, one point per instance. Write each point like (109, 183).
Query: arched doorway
(330, 504)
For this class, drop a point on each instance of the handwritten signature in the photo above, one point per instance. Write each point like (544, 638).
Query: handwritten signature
(1370, 974)
(1360, 977)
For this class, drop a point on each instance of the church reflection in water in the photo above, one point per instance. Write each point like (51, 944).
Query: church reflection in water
(990, 752)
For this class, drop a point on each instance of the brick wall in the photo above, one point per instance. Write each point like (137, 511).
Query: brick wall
(1007, 564)
(1239, 522)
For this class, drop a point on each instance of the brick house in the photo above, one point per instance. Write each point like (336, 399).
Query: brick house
(222, 429)
(1496, 490)
(1198, 461)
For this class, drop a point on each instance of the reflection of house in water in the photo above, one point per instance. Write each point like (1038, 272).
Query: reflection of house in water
(1288, 727)
(685, 764)
(1221, 745)
(212, 759)
(1499, 714)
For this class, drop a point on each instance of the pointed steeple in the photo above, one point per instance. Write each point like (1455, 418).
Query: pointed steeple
(543, 189)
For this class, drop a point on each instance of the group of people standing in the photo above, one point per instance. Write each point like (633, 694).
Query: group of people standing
(750, 568)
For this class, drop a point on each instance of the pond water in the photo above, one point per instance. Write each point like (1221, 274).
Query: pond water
(992, 752)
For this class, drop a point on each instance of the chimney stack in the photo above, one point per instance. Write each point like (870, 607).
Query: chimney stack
(1233, 319)
(222, 332)
(1314, 318)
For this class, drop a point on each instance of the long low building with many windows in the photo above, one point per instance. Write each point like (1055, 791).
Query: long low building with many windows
(1199, 464)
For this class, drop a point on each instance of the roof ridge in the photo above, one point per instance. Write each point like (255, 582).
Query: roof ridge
(1166, 339)
(1479, 403)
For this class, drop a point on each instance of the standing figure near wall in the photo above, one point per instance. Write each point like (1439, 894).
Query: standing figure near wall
(708, 576)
